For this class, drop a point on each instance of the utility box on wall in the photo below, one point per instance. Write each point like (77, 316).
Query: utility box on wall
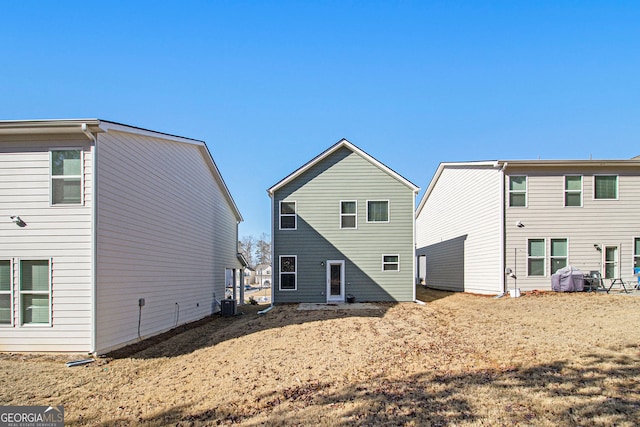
(228, 307)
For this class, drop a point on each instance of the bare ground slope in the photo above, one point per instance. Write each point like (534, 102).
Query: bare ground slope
(541, 360)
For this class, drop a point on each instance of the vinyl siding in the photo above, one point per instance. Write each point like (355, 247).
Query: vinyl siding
(603, 222)
(459, 230)
(345, 175)
(59, 233)
(165, 233)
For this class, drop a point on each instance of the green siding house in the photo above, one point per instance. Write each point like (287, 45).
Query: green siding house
(343, 230)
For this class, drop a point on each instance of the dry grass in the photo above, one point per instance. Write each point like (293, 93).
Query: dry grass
(540, 360)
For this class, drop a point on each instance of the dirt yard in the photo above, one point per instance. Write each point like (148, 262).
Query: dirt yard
(460, 360)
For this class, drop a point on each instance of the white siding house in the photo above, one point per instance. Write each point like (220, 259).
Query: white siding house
(533, 217)
(126, 233)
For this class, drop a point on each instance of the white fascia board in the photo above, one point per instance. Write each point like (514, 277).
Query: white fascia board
(342, 143)
(48, 126)
(442, 167)
(202, 146)
(107, 126)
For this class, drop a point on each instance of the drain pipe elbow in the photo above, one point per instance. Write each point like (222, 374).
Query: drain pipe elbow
(85, 130)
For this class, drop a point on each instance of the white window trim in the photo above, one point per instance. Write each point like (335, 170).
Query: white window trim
(564, 194)
(526, 191)
(294, 215)
(544, 257)
(10, 292)
(390, 263)
(388, 211)
(634, 255)
(617, 187)
(355, 215)
(21, 292)
(52, 177)
(280, 273)
(551, 257)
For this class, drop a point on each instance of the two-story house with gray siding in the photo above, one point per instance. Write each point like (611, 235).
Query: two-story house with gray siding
(477, 219)
(343, 225)
(109, 234)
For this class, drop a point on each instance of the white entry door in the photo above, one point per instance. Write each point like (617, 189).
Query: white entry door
(335, 281)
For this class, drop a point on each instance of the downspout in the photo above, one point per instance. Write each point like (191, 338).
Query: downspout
(503, 236)
(94, 237)
(273, 261)
(415, 271)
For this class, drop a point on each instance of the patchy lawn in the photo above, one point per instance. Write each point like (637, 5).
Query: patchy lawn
(542, 360)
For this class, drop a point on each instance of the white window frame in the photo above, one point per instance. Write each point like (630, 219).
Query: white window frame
(567, 191)
(52, 176)
(354, 215)
(388, 211)
(617, 187)
(21, 293)
(10, 293)
(526, 191)
(397, 263)
(552, 257)
(294, 215)
(295, 273)
(635, 261)
(543, 257)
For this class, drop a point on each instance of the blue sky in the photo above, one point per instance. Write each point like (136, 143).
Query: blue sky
(269, 85)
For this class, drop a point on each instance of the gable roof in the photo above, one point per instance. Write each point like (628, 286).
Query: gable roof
(504, 164)
(343, 143)
(91, 127)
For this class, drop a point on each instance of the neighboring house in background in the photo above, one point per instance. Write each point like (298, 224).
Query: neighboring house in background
(123, 233)
(263, 275)
(343, 224)
(249, 276)
(476, 219)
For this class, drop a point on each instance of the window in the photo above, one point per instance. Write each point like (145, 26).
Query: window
(66, 177)
(348, 214)
(288, 272)
(288, 217)
(559, 254)
(5, 292)
(34, 292)
(573, 190)
(536, 257)
(378, 211)
(605, 187)
(636, 253)
(518, 191)
(390, 263)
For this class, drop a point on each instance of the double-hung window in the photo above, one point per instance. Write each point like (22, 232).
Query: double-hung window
(559, 254)
(349, 214)
(390, 262)
(66, 177)
(573, 190)
(288, 216)
(5, 293)
(35, 292)
(518, 191)
(378, 211)
(636, 253)
(605, 187)
(536, 256)
(288, 272)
